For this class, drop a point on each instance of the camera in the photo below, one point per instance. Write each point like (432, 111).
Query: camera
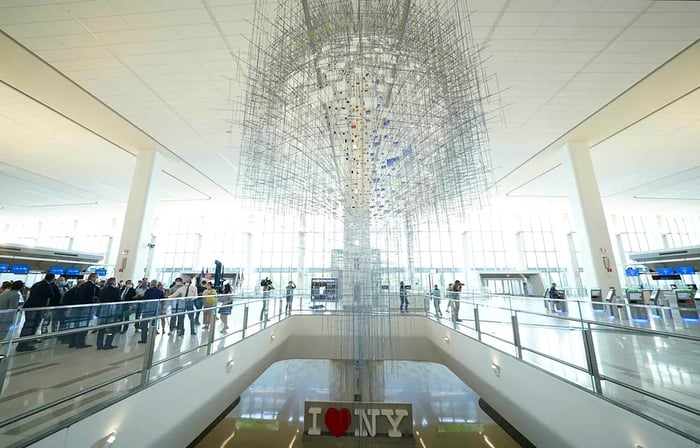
(265, 282)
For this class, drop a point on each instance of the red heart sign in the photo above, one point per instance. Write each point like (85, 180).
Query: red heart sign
(337, 420)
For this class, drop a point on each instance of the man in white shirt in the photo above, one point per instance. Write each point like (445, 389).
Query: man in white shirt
(189, 292)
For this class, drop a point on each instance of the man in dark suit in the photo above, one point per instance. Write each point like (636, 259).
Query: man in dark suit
(40, 295)
(86, 295)
(128, 292)
(108, 314)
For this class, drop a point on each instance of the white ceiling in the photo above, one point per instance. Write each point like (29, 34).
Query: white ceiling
(171, 67)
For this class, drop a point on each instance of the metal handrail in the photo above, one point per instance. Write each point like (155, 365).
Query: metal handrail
(71, 331)
(597, 377)
(648, 331)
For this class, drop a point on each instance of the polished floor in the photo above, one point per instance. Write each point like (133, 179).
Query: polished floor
(270, 413)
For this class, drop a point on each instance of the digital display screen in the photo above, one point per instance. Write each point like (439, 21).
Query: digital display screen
(685, 270)
(4, 267)
(635, 296)
(101, 272)
(632, 272)
(665, 271)
(683, 295)
(20, 269)
(324, 289)
(57, 270)
(73, 271)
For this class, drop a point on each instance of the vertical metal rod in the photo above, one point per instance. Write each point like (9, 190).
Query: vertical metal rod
(4, 363)
(148, 355)
(477, 322)
(591, 359)
(245, 320)
(516, 335)
(212, 330)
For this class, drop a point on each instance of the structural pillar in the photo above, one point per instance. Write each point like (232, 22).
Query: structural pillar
(471, 277)
(588, 217)
(136, 233)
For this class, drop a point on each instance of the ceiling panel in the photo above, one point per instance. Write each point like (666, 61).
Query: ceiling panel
(163, 65)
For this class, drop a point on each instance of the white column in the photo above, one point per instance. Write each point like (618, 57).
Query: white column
(472, 278)
(248, 282)
(588, 217)
(659, 238)
(566, 250)
(136, 233)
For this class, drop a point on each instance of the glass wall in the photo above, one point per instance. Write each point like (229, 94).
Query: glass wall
(289, 248)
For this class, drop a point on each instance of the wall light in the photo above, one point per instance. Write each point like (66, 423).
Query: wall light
(272, 336)
(638, 445)
(447, 338)
(496, 369)
(229, 366)
(111, 438)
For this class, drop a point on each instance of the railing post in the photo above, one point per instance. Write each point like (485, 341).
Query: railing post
(4, 363)
(245, 320)
(477, 322)
(148, 355)
(212, 330)
(591, 359)
(516, 335)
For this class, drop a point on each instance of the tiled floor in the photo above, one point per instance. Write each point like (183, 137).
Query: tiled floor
(270, 414)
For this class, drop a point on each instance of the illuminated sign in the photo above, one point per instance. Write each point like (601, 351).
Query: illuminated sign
(57, 270)
(632, 272)
(685, 270)
(358, 419)
(20, 269)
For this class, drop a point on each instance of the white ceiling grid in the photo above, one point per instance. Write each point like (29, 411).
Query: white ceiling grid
(166, 67)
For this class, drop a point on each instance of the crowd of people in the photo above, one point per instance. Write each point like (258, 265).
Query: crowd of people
(109, 302)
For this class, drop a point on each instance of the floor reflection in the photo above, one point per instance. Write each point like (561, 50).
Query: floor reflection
(445, 410)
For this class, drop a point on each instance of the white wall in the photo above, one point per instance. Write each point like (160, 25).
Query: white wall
(550, 412)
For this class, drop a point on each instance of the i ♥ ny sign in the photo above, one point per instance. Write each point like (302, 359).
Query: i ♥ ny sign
(349, 418)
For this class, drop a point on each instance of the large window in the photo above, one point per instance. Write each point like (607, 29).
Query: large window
(677, 232)
(634, 236)
(486, 243)
(540, 248)
(177, 243)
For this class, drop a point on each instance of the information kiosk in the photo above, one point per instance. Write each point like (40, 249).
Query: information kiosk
(597, 300)
(655, 299)
(635, 299)
(686, 303)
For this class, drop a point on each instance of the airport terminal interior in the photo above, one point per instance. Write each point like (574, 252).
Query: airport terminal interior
(428, 223)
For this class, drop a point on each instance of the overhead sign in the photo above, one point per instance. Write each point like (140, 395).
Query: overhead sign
(358, 419)
(57, 270)
(632, 272)
(4, 267)
(101, 272)
(20, 269)
(665, 271)
(73, 271)
(685, 270)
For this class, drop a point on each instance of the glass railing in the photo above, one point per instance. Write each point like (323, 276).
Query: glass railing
(642, 358)
(58, 363)
(48, 380)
